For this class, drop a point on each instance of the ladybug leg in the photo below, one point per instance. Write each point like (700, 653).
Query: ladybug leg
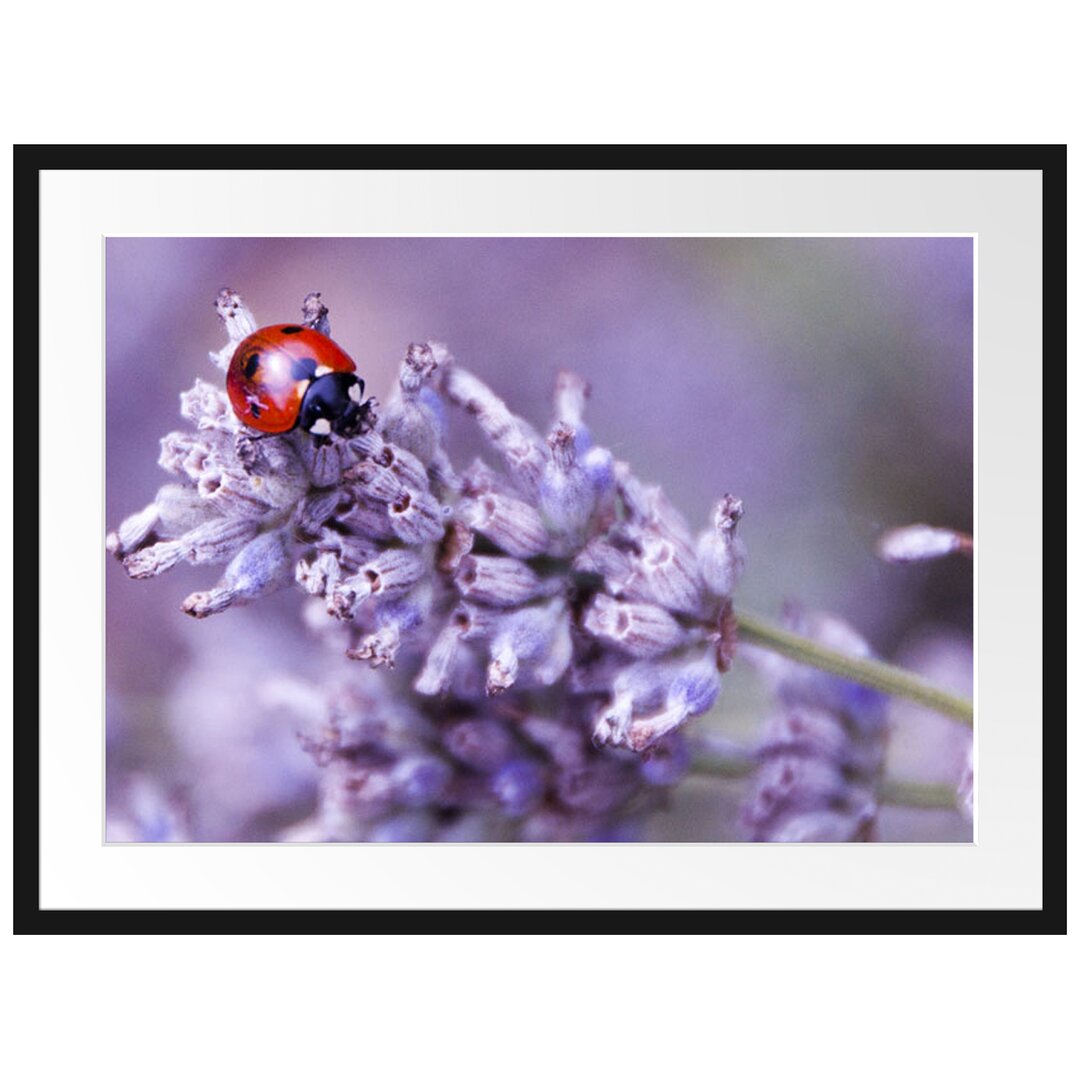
(366, 417)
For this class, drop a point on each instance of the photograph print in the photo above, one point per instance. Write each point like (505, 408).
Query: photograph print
(584, 539)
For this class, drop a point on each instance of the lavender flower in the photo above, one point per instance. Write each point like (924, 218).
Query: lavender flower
(822, 753)
(543, 627)
(918, 543)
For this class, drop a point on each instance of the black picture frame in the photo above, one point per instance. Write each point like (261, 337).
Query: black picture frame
(31, 160)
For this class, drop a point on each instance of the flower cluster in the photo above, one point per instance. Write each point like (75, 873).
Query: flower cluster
(544, 623)
(821, 754)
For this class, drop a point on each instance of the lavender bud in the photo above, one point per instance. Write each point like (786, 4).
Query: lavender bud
(564, 745)
(611, 562)
(797, 685)
(612, 723)
(511, 436)
(354, 793)
(366, 519)
(571, 392)
(519, 786)
(641, 630)
(667, 762)
(188, 455)
(420, 779)
(645, 731)
(567, 495)
(547, 825)
(259, 568)
(232, 493)
(788, 784)
(497, 581)
(313, 511)
(351, 551)
(133, 532)
(646, 505)
(693, 690)
(806, 732)
(356, 728)
(596, 788)
(536, 636)
(665, 573)
(315, 313)
(238, 322)
(408, 468)
(633, 688)
(325, 462)
(721, 554)
(476, 826)
(510, 523)
(484, 745)
(916, 543)
(207, 407)
(627, 831)
(283, 484)
(599, 466)
(395, 618)
(379, 648)
(456, 543)
(216, 541)
(392, 571)
(826, 827)
(696, 685)
(180, 509)
(416, 517)
(414, 419)
(475, 623)
(413, 827)
(422, 360)
(320, 575)
(481, 479)
(373, 483)
(437, 672)
(548, 665)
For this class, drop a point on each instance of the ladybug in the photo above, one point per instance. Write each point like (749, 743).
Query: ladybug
(287, 376)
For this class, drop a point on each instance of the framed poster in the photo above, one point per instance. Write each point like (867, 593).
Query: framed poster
(546, 532)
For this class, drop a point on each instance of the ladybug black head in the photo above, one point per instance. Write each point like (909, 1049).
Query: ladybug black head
(333, 403)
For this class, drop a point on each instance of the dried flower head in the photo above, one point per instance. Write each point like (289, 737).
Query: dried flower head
(543, 626)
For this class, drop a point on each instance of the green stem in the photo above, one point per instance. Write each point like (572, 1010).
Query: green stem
(727, 768)
(866, 672)
(912, 793)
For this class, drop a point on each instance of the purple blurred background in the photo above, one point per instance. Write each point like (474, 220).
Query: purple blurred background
(828, 382)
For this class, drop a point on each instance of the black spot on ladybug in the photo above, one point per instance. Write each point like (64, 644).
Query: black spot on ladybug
(255, 410)
(292, 329)
(251, 365)
(304, 369)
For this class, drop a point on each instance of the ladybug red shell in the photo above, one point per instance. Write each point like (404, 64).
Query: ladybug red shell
(288, 376)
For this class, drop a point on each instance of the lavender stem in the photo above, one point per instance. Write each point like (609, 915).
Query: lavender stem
(913, 793)
(872, 673)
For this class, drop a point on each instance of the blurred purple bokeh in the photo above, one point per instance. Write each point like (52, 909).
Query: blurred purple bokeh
(827, 382)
